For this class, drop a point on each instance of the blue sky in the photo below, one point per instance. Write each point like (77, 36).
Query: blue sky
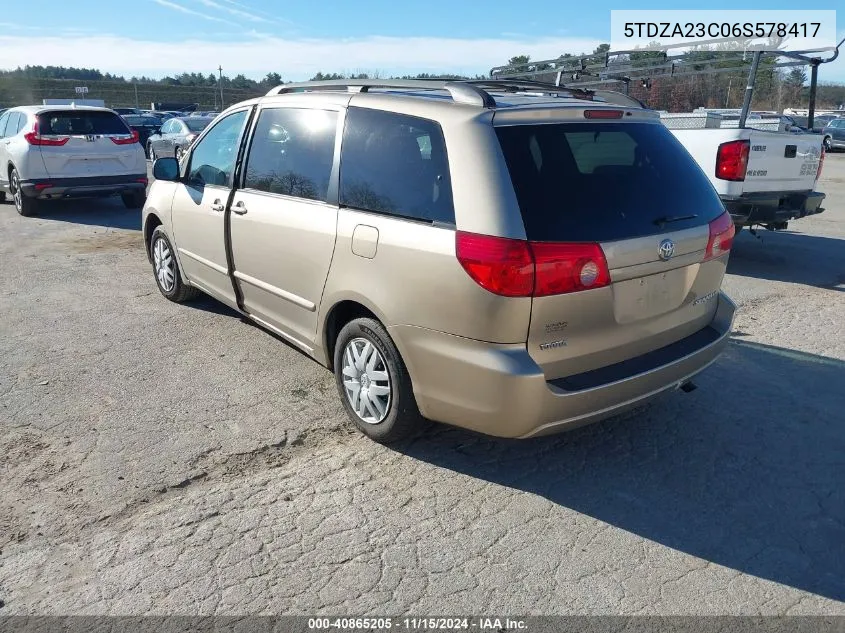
(296, 39)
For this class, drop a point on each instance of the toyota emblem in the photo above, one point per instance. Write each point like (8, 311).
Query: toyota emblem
(666, 250)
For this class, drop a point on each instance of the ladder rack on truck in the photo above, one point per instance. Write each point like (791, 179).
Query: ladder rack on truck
(618, 66)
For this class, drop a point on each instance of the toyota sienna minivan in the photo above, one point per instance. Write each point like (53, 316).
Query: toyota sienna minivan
(504, 256)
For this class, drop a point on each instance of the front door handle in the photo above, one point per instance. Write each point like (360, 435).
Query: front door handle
(217, 205)
(239, 208)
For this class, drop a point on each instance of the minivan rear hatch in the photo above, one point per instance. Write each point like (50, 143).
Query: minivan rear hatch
(77, 143)
(641, 213)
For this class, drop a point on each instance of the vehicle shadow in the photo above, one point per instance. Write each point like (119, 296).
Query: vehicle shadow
(107, 212)
(788, 256)
(745, 476)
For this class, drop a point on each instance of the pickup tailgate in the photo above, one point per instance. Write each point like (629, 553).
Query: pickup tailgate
(782, 162)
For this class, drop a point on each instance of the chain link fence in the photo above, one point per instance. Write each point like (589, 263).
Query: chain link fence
(19, 91)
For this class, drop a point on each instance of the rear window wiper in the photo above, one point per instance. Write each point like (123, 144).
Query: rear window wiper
(667, 219)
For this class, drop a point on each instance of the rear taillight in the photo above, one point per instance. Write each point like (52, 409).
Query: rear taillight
(561, 268)
(34, 138)
(516, 268)
(502, 266)
(125, 139)
(732, 160)
(721, 236)
(821, 164)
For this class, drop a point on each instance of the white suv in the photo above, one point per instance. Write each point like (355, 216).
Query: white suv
(54, 152)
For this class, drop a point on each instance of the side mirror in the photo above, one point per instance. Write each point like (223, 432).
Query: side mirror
(166, 169)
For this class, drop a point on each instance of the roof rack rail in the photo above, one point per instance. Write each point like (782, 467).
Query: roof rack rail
(460, 91)
(471, 91)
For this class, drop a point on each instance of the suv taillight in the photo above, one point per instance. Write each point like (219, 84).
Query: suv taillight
(821, 164)
(732, 160)
(722, 232)
(516, 268)
(125, 139)
(34, 138)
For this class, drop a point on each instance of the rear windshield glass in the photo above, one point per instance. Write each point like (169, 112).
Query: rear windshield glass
(196, 125)
(596, 182)
(80, 122)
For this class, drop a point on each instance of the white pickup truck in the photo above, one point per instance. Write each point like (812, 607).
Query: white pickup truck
(763, 177)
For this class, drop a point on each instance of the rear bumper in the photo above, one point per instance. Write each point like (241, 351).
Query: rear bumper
(499, 390)
(47, 188)
(776, 206)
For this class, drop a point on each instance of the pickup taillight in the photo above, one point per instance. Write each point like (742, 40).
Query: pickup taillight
(732, 160)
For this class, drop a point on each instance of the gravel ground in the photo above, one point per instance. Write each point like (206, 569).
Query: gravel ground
(161, 459)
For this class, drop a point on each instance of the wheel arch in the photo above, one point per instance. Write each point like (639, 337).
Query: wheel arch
(344, 309)
(150, 223)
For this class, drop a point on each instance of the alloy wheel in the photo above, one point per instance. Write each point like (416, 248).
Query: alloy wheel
(17, 194)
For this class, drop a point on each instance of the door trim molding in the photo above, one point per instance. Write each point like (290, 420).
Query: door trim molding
(202, 260)
(284, 294)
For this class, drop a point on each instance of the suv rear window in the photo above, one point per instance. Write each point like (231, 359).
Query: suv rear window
(76, 122)
(598, 182)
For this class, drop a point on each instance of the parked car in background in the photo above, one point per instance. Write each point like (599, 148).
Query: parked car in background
(55, 152)
(123, 111)
(834, 134)
(175, 135)
(427, 254)
(145, 126)
(209, 113)
(161, 116)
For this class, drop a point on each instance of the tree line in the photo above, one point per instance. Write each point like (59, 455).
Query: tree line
(775, 87)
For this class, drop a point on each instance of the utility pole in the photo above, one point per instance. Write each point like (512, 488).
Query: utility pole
(220, 81)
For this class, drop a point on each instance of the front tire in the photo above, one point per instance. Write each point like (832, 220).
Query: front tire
(151, 153)
(374, 384)
(179, 153)
(24, 205)
(166, 269)
(828, 144)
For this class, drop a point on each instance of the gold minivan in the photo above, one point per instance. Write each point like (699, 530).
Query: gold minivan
(508, 257)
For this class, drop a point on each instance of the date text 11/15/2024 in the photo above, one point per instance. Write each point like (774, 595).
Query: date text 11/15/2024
(416, 624)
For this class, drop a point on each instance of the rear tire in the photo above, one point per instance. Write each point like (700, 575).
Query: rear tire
(133, 199)
(24, 205)
(166, 269)
(2, 197)
(374, 384)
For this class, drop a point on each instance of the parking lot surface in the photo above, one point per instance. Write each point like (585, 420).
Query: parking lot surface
(160, 458)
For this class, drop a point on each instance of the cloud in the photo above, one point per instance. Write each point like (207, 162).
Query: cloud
(186, 10)
(236, 12)
(294, 59)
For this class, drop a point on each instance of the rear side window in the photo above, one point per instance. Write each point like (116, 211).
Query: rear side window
(22, 121)
(197, 125)
(15, 123)
(292, 152)
(395, 164)
(78, 122)
(596, 182)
